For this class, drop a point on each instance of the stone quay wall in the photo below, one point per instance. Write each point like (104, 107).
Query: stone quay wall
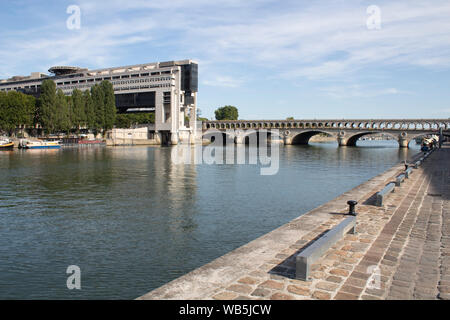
(400, 251)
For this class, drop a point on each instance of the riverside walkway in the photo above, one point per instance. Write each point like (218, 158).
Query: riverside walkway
(400, 251)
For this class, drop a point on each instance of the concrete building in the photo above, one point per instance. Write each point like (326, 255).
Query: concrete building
(167, 88)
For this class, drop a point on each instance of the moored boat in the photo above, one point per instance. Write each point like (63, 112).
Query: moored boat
(26, 144)
(6, 143)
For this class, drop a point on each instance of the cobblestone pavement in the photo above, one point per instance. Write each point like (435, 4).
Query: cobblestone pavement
(400, 250)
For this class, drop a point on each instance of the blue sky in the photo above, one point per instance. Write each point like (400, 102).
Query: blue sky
(271, 59)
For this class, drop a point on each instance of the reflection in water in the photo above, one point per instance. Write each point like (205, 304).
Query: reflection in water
(132, 219)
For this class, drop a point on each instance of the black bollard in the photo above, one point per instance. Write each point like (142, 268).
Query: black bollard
(351, 209)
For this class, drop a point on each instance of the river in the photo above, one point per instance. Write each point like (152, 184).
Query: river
(132, 220)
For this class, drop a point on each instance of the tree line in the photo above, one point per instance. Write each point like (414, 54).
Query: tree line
(93, 109)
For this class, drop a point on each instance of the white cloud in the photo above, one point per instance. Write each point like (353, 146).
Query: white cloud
(223, 81)
(360, 91)
(292, 41)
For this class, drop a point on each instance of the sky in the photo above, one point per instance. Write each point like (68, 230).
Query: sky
(271, 59)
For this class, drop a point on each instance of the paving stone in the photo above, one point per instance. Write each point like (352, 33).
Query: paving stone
(339, 272)
(240, 288)
(369, 297)
(226, 295)
(299, 290)
(334, 279)
(281, 296)
(321, 295)
(248, 280)
(272, 284)
(327, 286)
(345, 296)
(350, 289)
(260, 292)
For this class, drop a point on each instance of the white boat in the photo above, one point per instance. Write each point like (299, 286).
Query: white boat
(26, 144)
(6, 143)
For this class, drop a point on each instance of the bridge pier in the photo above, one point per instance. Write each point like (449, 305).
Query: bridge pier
(342, 141)
(402, 140)
(239, 139)
(287, 140)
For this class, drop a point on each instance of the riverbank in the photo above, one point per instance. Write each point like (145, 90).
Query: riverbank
(407, 239)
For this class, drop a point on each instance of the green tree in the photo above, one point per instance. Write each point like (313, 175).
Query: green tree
(98, 99)
(47, 103)
(78, 110)
(62, 123)
(109, 105)
(89, 110)
(16, 109)
(127, 120)
(227, 113)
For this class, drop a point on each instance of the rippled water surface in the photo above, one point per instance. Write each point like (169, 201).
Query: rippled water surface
(132, 220)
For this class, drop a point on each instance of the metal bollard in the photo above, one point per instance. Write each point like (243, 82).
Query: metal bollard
(351, 209)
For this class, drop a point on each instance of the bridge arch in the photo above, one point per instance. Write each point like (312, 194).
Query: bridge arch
(351, 141)
(212, 135)
(423, 134)
(302, 138)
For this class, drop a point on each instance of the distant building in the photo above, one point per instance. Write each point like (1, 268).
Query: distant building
(167, 88)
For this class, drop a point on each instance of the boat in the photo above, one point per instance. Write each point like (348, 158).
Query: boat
(6, 144)
(429, 143)
(26, 144)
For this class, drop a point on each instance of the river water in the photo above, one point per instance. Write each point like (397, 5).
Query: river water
(132, 220)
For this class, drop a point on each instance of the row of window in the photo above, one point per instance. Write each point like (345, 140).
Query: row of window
(119, 77)
(162, 85)
(142, 80)
(18, 88)
(109, 78)
(115, 82)
(81, 86)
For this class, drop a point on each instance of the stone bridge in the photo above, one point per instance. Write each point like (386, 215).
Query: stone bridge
(346, 132)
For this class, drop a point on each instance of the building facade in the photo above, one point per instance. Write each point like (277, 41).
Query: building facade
(169, 89)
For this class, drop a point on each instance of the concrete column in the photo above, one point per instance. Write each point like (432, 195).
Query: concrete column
(342, 141)
(239, 139)
(402, 140)
(277, 139)
(287, 140)
(158, 137)
(174, 138)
